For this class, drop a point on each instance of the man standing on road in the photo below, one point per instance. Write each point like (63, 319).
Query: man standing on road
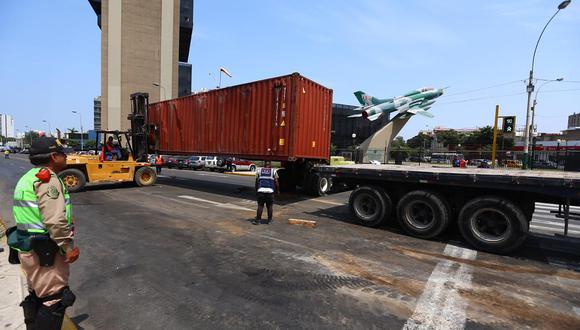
(266, 185)
(158, 163)
(44, 236)
(6, 154)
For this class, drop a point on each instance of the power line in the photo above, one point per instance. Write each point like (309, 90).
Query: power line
(484, 88)
(561, 90)
(507, 95)
(482, 98)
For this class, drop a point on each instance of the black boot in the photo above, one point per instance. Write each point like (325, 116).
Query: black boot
(30, 305)
(50, 318)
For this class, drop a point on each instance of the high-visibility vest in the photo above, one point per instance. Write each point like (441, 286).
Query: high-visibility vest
(25, 209)
(266, 181)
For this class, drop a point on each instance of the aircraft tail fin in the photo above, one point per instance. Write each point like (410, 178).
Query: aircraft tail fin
(365, 99)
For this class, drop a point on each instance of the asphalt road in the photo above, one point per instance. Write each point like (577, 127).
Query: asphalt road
(182, 254)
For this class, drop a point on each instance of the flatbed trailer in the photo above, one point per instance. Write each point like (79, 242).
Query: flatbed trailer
(492, 207)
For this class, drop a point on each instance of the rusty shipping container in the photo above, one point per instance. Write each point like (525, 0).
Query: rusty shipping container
(282, 118)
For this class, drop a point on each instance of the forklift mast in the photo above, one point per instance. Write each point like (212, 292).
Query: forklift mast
(139, 128)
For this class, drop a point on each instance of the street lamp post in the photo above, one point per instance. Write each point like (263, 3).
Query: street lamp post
(49, 129)
(29, 133)
(82, 140)
(530, 89)
(532, 137)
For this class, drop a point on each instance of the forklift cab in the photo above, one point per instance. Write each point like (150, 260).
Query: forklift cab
(110, 147)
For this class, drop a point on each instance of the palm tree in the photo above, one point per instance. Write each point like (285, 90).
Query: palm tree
(71, 131)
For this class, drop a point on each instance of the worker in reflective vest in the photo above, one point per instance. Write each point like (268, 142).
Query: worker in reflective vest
(158, 163)
(43, 238)
(266, 185)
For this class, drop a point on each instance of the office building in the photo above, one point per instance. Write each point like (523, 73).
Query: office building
(97, 113)
(144, 48)
(6, 126)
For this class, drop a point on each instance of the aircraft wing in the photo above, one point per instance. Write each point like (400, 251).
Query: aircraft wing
(419, 111)
(355, 115)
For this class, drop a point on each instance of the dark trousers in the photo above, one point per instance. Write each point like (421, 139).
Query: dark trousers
(268, 199)
(158, 168)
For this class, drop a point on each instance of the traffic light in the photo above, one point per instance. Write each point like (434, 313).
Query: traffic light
(509, 124)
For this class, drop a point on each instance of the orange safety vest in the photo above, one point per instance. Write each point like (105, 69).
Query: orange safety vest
(158, 160)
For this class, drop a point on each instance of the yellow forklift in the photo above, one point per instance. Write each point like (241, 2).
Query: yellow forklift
(115, 162)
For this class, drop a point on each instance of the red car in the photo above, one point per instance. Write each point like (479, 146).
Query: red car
(235, 164)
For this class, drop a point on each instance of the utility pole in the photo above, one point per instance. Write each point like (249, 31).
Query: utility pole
(530, 90)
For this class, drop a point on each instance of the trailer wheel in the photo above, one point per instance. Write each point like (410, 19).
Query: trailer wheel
(145, 176)
(73, 179)
(493, 224)
(423, 214)
(370, 205)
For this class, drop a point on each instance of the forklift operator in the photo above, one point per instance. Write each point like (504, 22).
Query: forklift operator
(112, 149)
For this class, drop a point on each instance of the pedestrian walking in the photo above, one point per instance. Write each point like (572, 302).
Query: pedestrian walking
(6, 154)
(158, 163)
(43, 239)
(266, 186)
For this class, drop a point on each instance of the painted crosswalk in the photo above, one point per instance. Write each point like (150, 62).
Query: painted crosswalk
(545, 220)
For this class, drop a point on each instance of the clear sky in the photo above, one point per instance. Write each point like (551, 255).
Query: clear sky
(50, 54)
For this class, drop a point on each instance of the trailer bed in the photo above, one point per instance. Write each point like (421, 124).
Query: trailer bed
(549, 183)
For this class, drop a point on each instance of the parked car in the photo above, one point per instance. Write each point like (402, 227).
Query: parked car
(544, 164)
(196, 162)
(234, 164)
(231, 164)
(513, 163)
(176, 162)
(211, 163)
(480, 163)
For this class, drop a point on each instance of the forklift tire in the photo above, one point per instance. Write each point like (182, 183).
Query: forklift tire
(73, 179)
(145, 176)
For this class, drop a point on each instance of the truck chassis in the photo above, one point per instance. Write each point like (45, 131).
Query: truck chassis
(492, 208)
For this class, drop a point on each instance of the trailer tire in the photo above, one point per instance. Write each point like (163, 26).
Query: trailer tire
(320, 185)
(74, 179)
(145, 176)
(423, 214)
(507, 232)
(370, 205)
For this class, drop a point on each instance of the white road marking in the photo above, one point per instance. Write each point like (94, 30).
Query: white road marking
(328, 202)
(22, 167)
(441, 306)
(182, 202)
(218, 204)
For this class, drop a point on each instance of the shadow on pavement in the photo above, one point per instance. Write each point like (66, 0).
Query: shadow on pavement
(556, 251)
(229, 190)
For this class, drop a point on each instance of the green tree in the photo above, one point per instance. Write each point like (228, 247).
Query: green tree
(481, 137)
(399, 145)
(29, 137)
(90, 144)
(450, 137)
(419, 141)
